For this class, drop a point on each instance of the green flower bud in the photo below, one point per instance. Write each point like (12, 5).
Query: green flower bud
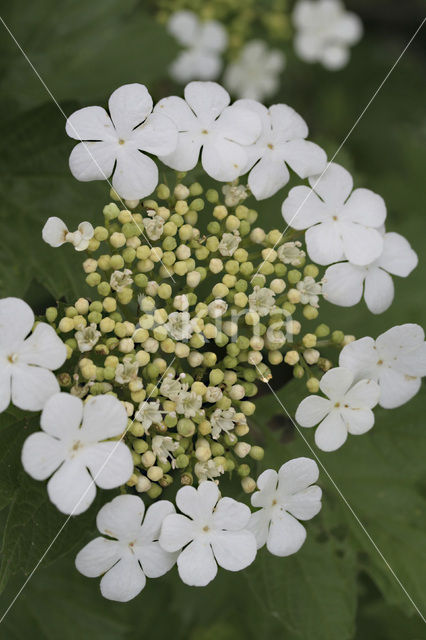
(111, 211)
(257, 453)
(212, 195)
(182, 461)
(216, 377)
(163, 192)
(310, 312)
(93, 279)
(186, 427)
(155, 491)
(243, 470)
(51, 314)
(294, 276)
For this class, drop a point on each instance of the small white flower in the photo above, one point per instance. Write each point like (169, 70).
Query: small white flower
(188, 403)
(255, 73)
(234, 194)
(181, 302)
(73, 447)
(206, 121)
(163, 447)
(149, 413)
(134, 554)
(208, 470)
(213, 394)
(121, 279)
(396, 361)
(26, 363)
(285, 498)
(290, 253)
(217, 308)
(222, 420)
(126, 371)
(170, 388)
(262, 300)
(153, 225)
(345, 283)
(324, 32)
(309, 291)
(214, 532)
(87, 337)
(55, 232)
(117, 141)
(229, 244)
(340, 224)
(203, 42)
(179, 325)
(347, 408)
(281, 143)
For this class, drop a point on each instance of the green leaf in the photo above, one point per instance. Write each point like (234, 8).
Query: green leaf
(15, 426)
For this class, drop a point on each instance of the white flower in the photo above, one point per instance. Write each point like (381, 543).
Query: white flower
(262, 300)
(55, 232)
(121, 279)
(234, 194)
(208, 470)
(396, 360)
(205, 121)
(214, 532)
(309, 291)
(347, 408)
(281, 143)
(290, 253)
(72, 443)
(26, 363)
(217, 308)
(188, 403)
(87, 337)
(229, 244)
(119, 139)
(339, 224)
(213, 394)
(255, 73)
(344, 283)
(203, 42)
(153, 225)
(325, 31)
(285, 498)
(126, 371)
(149, 413)
(179, 325)
(170, 388)
(134, 554)
(222, 420)
(163, 447)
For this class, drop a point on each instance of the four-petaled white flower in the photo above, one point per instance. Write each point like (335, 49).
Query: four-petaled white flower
(133, 554)
(281, 143)
(120, 279)
(344, 283)
(55, 232)
(149, 413)
(206, 121)
(72, 443)
(229, 244)
(347, 408)
(26, 363)
(163, 447)
(212, 531)
(179, 325)
(188, 403)
(208, 470)
(203, 42)
(340, 224)
(255, 73)
(285, 498)
(222, 420)
(154, 225)
(396, 360)
(126, 371)
(262, 300)
(290, 253)
(117, 141)
(309, 291)
(87, 337)
(325, 31)
(170, 387)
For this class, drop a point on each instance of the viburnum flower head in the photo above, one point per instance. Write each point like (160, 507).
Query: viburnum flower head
(347, 408)
(55, 232)
(130, 553)
(207, 123)
(396, 361)
(203, 42)
(345, 283)
(285, 498)
(26, 375)
(73, 446)
(325, 31)
(212, 532)
(340, 224)
(255, 73)
(117, 140)
(281, 143)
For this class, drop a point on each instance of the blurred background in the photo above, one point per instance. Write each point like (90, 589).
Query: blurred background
(337, 587)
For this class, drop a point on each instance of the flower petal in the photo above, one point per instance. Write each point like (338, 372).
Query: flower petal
(398, 257)
(184, 26)
(297, 474)
(90, 123)
(42, 455)
(286, 534)
(71, 489)
(178, 111)
(361, 245)
(196, 564)
(360, 357)
(194, 63)
(336, 382)
(124, 581)
(16, 321)
(234, 550)
(122, 517)
(207, 100)
(267, 485)
(223, 160)
(334, 56)
(365, 208)
(343, 284)
(324, 243)
(54, 231)
(231, 515)
(5, 386)
(43, 348)
(358, 421)
(97, 557)
(213, 36)
(259, 526)
(331, 433)
(302, 208)
(135, 175)
(176, 532)
(154, 560)
(312, 410)
(287, 124)
(104, 417)
(239, 124)
(32, 386)
(157, 135)
(379, 290)
(363, 395)
(185, 157)
(154, 519)
(334, 185)
(304, 157)
(62, 416)
(305, 504)
(93, 160)
(267, 177)
(110, 463)
(397, 388)
(129, 105)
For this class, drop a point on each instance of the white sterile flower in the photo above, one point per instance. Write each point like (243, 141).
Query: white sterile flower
(212, 531)
(131, 552)
(149, 413)
(290, 253)
(281, 143)
(170, 388)
(26, 363)
(163, 447)
(229, 244)
(87, 337)
(217, 308)
(340, 224)
(255, 73)
(208, 470)
(203, 42)
(347, 408)
(344, 283)
(73, 446)
(206, 121)
(396, 360)
(234, 194)
(222, 420)
(55, 232)
(117, 141)
(179, 325)
(120, 279)
(126, 371)
(262, 300)
(309, 291)
(325, 31)
(285, 498)
(188, 403)
(153, 225)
